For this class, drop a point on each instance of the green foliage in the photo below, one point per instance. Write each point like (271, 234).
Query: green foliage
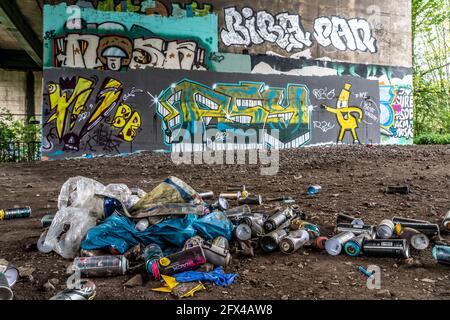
(16, 130)
(431, 62)
(432, 138)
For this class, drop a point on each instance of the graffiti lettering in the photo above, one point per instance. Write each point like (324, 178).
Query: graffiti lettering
(248, 28)
(324, 94)
(323, 125)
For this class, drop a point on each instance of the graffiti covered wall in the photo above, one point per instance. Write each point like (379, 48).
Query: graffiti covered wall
(129, 75)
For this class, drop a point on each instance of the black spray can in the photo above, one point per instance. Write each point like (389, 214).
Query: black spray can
(275, 221)
(344, 218)
(394, 248)
(397, 189)
(357, 229)
(251, 200)
(408, 220)
(428, 229)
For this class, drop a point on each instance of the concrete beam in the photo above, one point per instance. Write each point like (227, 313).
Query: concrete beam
(13, 20)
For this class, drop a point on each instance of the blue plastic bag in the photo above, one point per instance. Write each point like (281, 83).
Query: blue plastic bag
(218, 277)
(214, 225)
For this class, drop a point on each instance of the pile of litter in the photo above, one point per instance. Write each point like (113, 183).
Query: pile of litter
(185, 238)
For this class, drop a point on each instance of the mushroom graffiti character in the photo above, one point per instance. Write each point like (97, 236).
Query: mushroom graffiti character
(115, 52)
(345, 115)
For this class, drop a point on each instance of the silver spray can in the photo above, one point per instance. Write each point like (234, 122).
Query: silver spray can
(385, 229)
(5, 289)
(270, 242)
(101, 266)
(85, 291)
(345, 218)
(335, 245)
(356, 229)
(255, 222)
(416, 239)
(276, 220)
(294, 241)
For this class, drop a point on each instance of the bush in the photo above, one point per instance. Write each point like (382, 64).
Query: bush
(432, 138)
(16, 130)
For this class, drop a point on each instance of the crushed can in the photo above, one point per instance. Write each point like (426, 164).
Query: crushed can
(85, 291)
(101, 266)
(294, 241)
(393, 248)
(179, 262)
(19, 213)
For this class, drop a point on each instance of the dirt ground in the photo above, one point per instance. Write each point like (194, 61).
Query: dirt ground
(352, 179)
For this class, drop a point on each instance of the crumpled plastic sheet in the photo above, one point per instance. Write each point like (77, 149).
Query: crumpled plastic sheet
(218, 277)
(120, 232)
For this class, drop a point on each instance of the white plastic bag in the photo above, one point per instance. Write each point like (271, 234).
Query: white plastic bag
(68, 230)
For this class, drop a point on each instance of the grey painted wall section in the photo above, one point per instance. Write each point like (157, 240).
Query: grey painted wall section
(90, 113)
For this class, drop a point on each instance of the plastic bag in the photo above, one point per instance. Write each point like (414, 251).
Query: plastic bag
(218, 277)
(119, 232)
(214, 225)
(68, 230)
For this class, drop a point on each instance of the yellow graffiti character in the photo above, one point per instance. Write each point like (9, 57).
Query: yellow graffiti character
(344, 115)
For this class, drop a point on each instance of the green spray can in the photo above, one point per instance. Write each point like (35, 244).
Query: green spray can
(18, 213)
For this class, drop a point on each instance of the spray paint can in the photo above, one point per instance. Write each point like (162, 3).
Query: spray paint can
(294, 241)
(216, 255)
(231, 196)
(416, 239)
(357, 229)
(319, 243)
(344, 218)
(385, 229)
(395, 248)
(235, 214)
(243, 232)
(446, 222)
(19, 213)
(221, 204)
(313, 190)
(207, 195)
(151, 254)
(221, 242)
(101, 266)
(298, 224)
(255, 222)
(397, 189)
(334, 245)
(442, 254)
(251, 200)
(86, 291)
(276, 220)
(429, 229)
(47, 220)
(270, 242)
(182, 261)
(354, 246)
(5, 288)
(406, 220)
